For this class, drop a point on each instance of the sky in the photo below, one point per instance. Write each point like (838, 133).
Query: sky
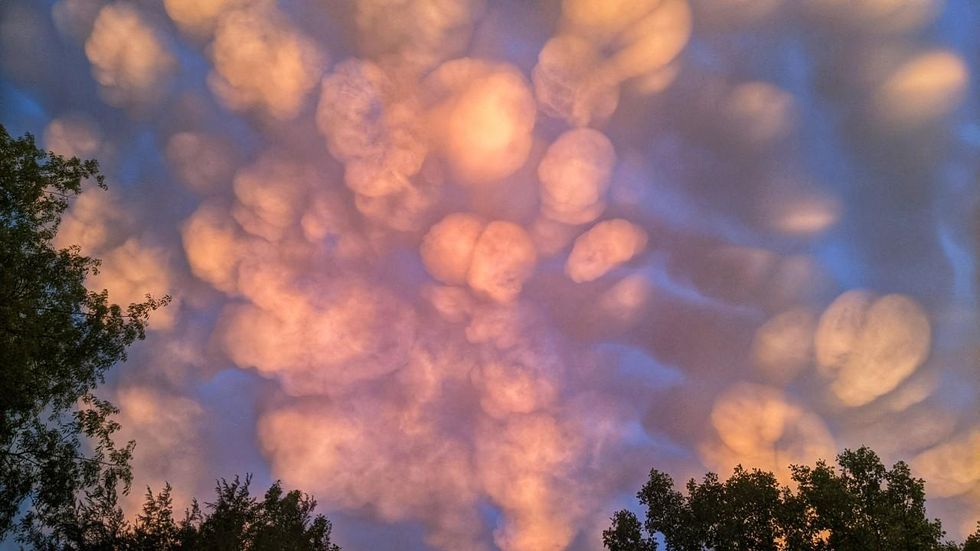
(465, 270)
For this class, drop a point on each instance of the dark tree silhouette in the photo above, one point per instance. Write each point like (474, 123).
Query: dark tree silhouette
(57, 457)
(238, 521)
(860, 506)
(626, 534)
(973, 542)
(234, 521)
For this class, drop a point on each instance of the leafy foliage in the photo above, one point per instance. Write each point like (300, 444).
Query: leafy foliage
(860, 506)
(972, 543)
(235, 521)
(57, 338)
(626, 534)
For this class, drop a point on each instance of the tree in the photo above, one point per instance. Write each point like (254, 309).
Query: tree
(155, 527)
(863, 506)
(866, 506)
(626, 534)
(973, 542)
(58, 462)
(281, 521)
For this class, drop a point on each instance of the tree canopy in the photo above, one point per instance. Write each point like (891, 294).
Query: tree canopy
(234, 521)
(57, 338)
(858, 506)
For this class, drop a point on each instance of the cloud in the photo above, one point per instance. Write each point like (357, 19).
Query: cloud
(199, 17)
(261, 62)
(73, 135)
(130, 58)
(922, 89)
(484, 119)
(468, 276)
(870, 345)
(415, 35)
(447, 249)
(213, 246)
(569, 82)
(575, 174)
(203, 162)
(604, 247)
(783, 346)
(760, 426)
(503, 258)
(316, 344)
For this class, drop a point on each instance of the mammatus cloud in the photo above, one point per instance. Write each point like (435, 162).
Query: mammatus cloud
(261, 62)
(199, 17)
(575, 174)
(760, 426)
(483, 118)
(604, 247)
(869, 346)
(466, 270)
(130, 57)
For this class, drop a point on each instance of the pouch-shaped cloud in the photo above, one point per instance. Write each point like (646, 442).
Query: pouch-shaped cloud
(352, 113)
(415, 35)
(513, 387)
(73, 136)
(653, 41)
(760, 112)
(201, 161)
(575, 174)
(198, 17)
(802, 214)
(346, 333)
(922, 89)
(270, 195)
(624, 303)
(503, 258)
(570, 83)
(406, 210)
(261, 62)
(575, 82)
(372, 126)
(761, 426)
(605, 246)
(130, 59)
(602, 20)
(396, 460)
(519, 371)
(951, 467)
(868, 346)
(214, 246)
(484, 114)
(447, 249)
(524, 465)
(783, 346)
